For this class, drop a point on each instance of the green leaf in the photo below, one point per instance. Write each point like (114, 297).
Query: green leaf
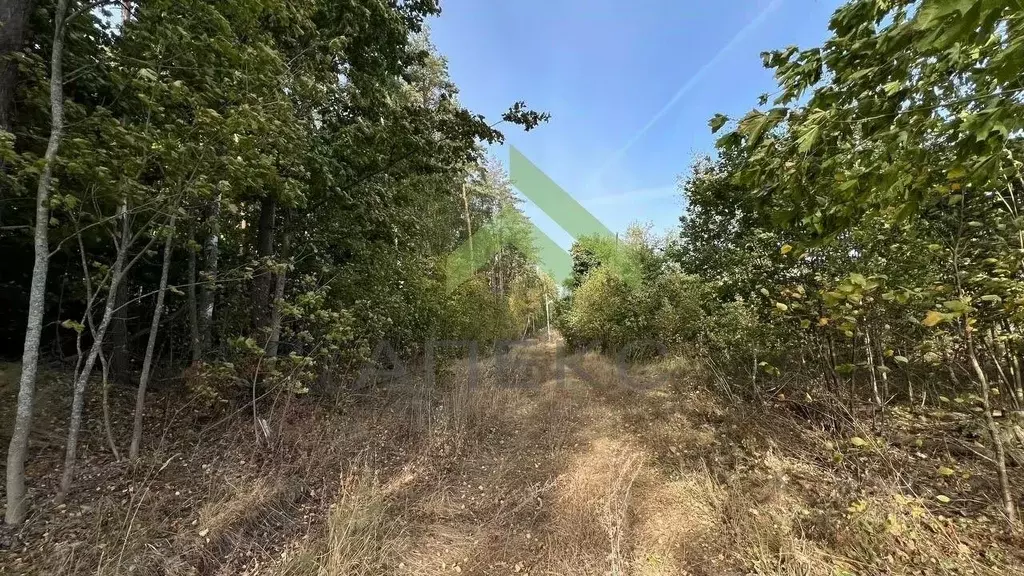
(954, 306)
(717, 121)
(807, 140)
(931, 11)
(945, 471)
(943, 498)
(858, 442)
(906, 211)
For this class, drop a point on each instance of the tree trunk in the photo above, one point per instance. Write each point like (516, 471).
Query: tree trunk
(16, 453)
(279, 286)
(836, 382)
(1018, 391)
(871, 368)
(990, 423)
(1017, 386)
(882, 368)
(120, 363)
(469, 223)
(211, 250)
(105, 371)
(147, 362)
(193, 307)
(263, 281)
(14, 16)
(117, 275)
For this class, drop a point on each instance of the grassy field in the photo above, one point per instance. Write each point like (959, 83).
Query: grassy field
(517, 472)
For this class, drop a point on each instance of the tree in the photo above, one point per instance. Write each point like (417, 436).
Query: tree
(912, 124)
(17, 451)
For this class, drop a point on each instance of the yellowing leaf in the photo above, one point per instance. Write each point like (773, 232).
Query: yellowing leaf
(942, 498)
(858, 441)
(72, 325)
(786, 249)
(781, 306)
(932, 318)
(945, 471)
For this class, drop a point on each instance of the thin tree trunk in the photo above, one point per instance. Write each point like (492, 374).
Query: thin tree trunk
(832, 364)
(882, 369)
(948, 362)
(1013, 383)
(193, 307)
(871, 368)
(1018, 388)
(17, 451)
(211, 251)
(119, 362)
(104, 370)
(986, 404)
(147, 362)
(1018, 391)
(469, 222)
(264, 250)
(279, 286)
(993, 349)
(993, 430)
(14, 16)
(78, 399)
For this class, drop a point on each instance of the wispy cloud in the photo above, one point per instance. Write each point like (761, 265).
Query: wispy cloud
(634, 196)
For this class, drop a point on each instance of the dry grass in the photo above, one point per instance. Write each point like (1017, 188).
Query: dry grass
(519, 472)
(359, 536)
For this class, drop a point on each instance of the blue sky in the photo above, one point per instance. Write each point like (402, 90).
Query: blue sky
(630, 86)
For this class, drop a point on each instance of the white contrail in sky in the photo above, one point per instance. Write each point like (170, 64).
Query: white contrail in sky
(633, 196)
(739, 37)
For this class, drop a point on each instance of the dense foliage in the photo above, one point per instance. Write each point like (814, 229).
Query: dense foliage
(862, 239)
(260, 191)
